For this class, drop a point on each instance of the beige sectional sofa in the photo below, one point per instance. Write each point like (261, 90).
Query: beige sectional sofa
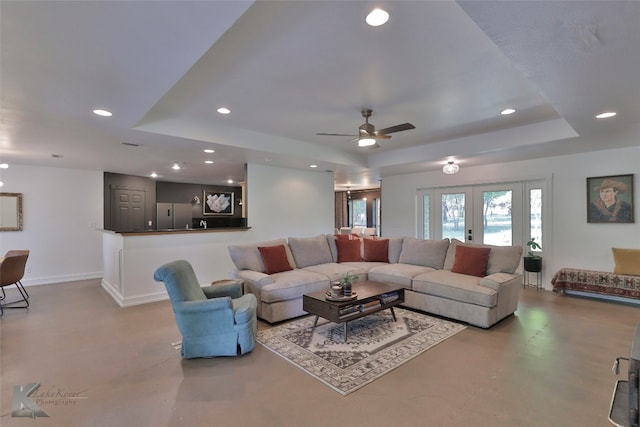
(422, 267)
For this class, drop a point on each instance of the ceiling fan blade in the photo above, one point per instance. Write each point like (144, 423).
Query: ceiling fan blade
(396, 128)
(382, 136)
(334, 134)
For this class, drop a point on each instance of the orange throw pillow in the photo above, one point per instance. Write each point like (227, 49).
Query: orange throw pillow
(376, 250)
(471, 261)
(348, 250)
(274, 259)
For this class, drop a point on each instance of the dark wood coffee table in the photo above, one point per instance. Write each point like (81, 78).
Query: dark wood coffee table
(371, 298)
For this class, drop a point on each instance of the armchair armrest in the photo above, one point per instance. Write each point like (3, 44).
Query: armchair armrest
(231, 290)
(201, 306)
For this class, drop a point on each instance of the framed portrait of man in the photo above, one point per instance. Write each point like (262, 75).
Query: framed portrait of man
(610, 199)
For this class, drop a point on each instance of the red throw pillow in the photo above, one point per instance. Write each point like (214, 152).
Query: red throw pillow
(470, 260)
(275, 259)
(376, 250)
(348, 250)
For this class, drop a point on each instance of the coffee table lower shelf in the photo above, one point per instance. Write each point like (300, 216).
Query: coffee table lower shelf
(372, 298)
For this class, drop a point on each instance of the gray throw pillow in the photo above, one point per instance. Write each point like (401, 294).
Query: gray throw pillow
(310, 250)
(427, 253)
(247, 257)
(502, 259)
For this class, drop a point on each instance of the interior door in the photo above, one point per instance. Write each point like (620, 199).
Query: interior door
(127, 209)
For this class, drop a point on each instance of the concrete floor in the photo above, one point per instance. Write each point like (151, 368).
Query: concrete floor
(549, 365)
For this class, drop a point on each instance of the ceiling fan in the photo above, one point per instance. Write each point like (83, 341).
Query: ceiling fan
(367, 133)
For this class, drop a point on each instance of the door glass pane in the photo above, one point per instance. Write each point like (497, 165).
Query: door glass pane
(497, 218)
(453, 216)
(425, 217)
(535, 208)
(359, 213)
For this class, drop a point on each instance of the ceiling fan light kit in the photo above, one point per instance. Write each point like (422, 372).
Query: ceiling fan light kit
(366, 141)
(450, 168)
(367, 133)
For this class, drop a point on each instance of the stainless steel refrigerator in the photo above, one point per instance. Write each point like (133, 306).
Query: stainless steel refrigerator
(173, 215)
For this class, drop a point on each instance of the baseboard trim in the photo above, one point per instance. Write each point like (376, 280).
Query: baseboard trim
(135, 300)
(60, 279)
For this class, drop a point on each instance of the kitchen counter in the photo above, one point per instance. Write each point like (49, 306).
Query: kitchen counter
(179, 231)
(130, 258)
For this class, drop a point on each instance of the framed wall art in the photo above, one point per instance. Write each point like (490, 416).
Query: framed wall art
(217, 203)
(610, 199)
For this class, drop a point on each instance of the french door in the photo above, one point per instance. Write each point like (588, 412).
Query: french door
(489, 214)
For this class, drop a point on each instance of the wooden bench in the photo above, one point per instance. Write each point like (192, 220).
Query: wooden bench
(596, 282)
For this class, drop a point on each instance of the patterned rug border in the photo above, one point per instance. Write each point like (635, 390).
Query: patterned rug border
(356, 377)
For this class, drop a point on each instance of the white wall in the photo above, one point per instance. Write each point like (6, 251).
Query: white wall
(569, 240)
(288, 203)
(62, 211)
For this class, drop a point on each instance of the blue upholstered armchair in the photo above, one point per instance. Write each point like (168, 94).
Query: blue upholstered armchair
(213, 320)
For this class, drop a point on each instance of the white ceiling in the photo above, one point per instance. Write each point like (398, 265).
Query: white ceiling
(290, 69)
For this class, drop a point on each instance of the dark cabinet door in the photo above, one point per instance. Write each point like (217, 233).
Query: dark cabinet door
(127, 210)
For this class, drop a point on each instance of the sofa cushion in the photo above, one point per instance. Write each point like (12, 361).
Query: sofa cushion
(335, 271)
(292, 285)
(397, 274)
(348, 250)
(427, 253)
(471, 260)
(455, 286)
(274, 259)
(247, 256)
(627, 261)
(310, 250)
(502, 259)
(376, 250)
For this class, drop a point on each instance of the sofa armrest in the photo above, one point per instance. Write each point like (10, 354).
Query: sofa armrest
(498, 281)
(254, 279)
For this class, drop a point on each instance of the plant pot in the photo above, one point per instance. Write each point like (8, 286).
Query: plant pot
(533, 265)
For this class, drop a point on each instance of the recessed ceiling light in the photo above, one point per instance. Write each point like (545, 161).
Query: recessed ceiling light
(153, 175)
(1, 183)
(229, 181)
(209, 162)
(208, 150)
(4, 165)
(103, 113)
(313, 166)
(508, 111)
(377, 17)
(223, 110)
(175, 166)
(606, 115)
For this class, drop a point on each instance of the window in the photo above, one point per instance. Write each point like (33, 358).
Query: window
(359, 213)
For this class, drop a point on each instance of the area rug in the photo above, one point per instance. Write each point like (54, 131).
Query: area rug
(376, 345)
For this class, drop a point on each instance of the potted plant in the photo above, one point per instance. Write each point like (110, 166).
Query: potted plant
(533, 261)
(346, 283)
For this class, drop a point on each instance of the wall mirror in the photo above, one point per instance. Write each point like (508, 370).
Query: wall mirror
(10, 211)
